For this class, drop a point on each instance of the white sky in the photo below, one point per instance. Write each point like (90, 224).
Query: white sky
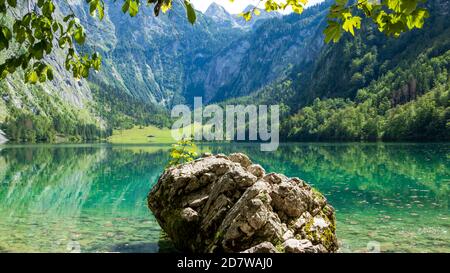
(236, 7)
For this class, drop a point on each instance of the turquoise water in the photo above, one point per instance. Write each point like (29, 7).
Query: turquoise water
(92, 198)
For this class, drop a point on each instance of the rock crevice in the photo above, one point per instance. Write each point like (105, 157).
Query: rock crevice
(228, 204)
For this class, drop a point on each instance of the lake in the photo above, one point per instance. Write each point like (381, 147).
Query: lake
(92, 198)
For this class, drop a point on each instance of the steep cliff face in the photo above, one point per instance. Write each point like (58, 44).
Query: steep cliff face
(220, 16)
(150, 57)
(166, 60)
(266, 53)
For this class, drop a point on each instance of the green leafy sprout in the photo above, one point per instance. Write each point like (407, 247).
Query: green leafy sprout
(182, 152)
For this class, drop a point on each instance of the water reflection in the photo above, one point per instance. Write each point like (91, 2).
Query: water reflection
(51, 197)
(92, 198)
(386, 170)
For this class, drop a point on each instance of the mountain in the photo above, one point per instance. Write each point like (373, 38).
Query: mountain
(257, 19)
(371, 54)
(151, 57)
(145, 62)
(152, 63)
(262, 56)
(165, 60)
(220, 16)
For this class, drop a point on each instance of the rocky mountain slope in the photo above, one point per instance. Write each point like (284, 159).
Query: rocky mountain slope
(165, 60)
(265, 54)
(151, 57)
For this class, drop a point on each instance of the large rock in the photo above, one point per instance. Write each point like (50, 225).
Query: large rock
(228, 204)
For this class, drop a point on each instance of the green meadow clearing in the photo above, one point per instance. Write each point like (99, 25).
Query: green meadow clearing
(147, 134)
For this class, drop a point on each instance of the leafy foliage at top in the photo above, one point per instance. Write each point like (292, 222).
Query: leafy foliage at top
(392, 17)
(36, 32)
(32, 36)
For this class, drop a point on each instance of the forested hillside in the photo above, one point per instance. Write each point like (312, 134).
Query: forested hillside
(370, 87)
(391, 89)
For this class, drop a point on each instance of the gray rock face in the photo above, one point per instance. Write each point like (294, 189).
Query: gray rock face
(228, 204)
(3, 138)
(218, 14)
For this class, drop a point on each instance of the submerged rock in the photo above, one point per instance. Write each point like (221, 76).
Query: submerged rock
(228, 204)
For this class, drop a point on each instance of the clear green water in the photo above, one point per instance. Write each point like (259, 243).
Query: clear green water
(92, 198)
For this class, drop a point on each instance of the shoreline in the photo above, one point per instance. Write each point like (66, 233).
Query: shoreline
(215, 143)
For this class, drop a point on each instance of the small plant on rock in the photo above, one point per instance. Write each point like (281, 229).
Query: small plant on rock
(181, 152)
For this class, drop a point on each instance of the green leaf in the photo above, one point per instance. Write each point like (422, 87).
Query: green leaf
(181, 152)
(79, 35)
(92, 8)
(37, 51)
(417, 18)
(12, 3)
(5, 37)
(332, 32)
(31, 77)
(55, 26)
(341, 2)
(101, 9)
(48, 8)
(97, 7)
(126, 6)
(134, 8)
(6, 33)
(49, 73)
(246, 15)
(68, 17)
(3, 71)
(395, 5)
(297, 8)
(190, 12)
(96, 61)
(408, 6)
(350, 23)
